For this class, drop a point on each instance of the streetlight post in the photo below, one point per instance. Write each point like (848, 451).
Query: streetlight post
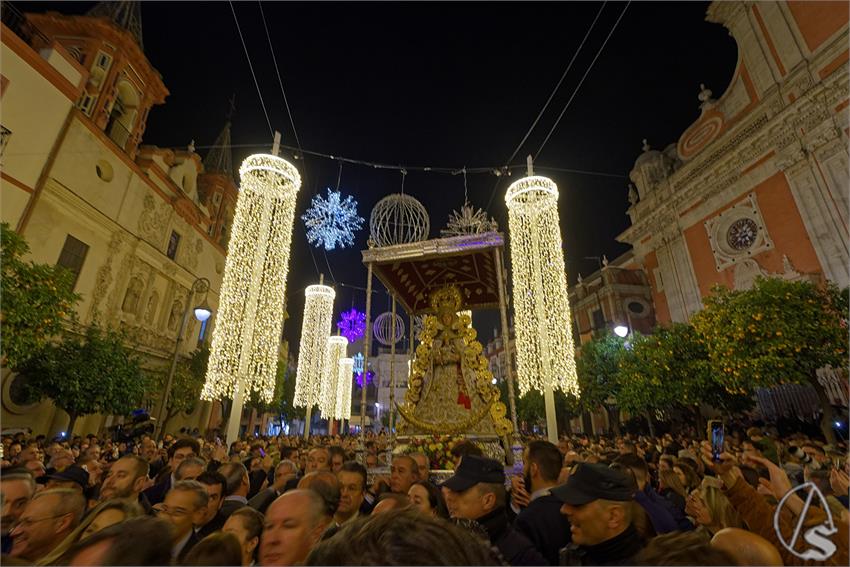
(202, 313)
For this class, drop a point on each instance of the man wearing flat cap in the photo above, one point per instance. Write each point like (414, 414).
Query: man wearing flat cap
(477, 492)
(597, 500)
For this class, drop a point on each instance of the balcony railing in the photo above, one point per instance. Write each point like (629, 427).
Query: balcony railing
(20, 26)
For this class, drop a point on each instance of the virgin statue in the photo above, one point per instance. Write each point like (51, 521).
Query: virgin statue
(450, 388)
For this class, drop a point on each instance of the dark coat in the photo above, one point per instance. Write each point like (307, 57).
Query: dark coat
(190, 543)
(213, 525)
(228, 507)
(514, 547)
(619, 550)
(263, 499)
(156, 493)
(543, 524)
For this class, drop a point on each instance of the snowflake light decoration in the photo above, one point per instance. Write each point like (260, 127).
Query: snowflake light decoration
(357, 367)
(352, 324)
(332, 222)
(369, 378)
(468, 221)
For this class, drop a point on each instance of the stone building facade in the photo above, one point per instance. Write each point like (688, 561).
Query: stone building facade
(757, 185)
(137, 224)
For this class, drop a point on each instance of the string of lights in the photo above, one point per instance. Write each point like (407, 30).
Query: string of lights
(315, 328)
(245, 341)
(544, 341)
(329, 392)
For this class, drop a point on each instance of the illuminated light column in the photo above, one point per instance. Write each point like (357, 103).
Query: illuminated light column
(544, 342)
(246, 337)
(315, 328)
(343, 392)
(335, 348)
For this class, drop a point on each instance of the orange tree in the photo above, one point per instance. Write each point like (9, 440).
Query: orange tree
(34, 300)
(89, 373)
(775, 333)
(670, 369)
(598, 367)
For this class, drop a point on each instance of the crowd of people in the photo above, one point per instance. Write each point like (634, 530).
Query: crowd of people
(621, 500)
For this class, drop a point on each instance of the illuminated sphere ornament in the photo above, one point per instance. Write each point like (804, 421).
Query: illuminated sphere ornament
(398, 219)
(246, 337)
(382, 328)
(544, 341)
(352, 324)
(332, 222)
(315, 328)
(334, 352)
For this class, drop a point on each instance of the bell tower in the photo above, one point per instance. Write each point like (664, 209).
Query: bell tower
(123, 85)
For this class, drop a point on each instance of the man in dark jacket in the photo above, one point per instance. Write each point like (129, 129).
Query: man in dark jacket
(541, 521)
(477, 492)
(597, 501)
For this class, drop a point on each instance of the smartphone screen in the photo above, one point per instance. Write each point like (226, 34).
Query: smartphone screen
(716, 435)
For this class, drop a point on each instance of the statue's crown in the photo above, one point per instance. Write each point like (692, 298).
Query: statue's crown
(445, 298)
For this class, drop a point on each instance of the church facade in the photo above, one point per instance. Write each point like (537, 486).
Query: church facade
(757, 186)
(138, 225)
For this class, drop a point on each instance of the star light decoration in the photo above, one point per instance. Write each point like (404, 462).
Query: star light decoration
(544, 341)
(315, 328)
(246, 337)
(352, 324)
(334, 352)
(332, 222)
(468, 221)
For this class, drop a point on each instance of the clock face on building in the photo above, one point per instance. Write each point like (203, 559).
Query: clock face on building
(742, 234)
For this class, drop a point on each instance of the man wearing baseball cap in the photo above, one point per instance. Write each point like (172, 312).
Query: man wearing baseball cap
(72, 477)
(477, 492)
(598, 502)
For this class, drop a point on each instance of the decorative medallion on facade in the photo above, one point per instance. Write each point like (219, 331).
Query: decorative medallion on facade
(737, 233)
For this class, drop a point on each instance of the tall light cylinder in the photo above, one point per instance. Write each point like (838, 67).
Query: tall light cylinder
(343, 392)
(334, 352)
(246, 337)
(544, 341)
(315, 328)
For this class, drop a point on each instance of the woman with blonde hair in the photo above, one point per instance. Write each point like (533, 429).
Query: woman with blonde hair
(101, 516)
(671, 488)
(711, 509)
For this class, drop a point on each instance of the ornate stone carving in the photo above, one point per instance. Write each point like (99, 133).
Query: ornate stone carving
(738, 233)
(104, 274)
(130, 305)
(153, 220)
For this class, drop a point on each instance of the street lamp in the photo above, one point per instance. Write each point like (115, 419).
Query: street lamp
(621, 331)
(202, 312)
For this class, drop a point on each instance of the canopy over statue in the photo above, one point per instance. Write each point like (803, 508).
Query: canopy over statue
(450, 389)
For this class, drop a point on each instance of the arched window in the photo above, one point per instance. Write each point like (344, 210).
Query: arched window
(124, 113)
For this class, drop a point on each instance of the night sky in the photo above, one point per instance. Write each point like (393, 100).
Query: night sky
(441, 85)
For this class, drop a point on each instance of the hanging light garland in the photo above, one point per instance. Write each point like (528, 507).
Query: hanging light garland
(343, 392)
(544, 341)
(328, 393)
(315, 328)
(246, 337)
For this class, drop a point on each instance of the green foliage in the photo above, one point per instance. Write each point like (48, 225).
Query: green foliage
(775, 333)
(36, 298)
(598, 367)
(189, 376)
(92, 373)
